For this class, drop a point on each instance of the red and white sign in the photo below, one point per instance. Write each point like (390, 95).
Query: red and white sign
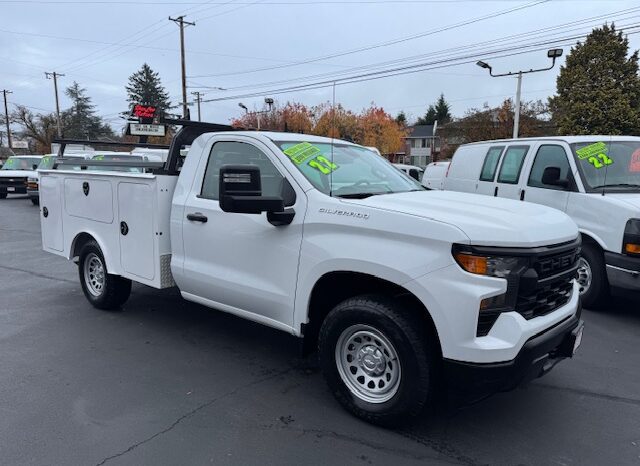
(144, 111)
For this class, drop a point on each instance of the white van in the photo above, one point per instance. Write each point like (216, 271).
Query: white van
(594, 179)
(413, 171)
(434, 174)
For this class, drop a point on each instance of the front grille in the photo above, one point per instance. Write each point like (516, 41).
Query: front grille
(17, 182)
(552, 289)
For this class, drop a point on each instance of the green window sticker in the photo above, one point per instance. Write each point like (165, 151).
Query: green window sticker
(301, 152)
(592, 150)
(323, 165)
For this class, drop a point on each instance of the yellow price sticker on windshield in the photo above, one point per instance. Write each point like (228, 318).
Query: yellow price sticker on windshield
(323, 165)
(592, 150)
(301, 152)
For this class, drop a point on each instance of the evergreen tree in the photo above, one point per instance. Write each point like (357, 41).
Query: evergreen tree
(145, 88)
(439, 111)
(598, 89)
(80, 121)
(401, 119)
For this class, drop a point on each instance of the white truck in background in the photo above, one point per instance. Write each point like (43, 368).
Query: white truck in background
(400, 289)
(594, 179)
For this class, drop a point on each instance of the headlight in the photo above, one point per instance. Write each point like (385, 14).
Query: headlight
(492, 266)
(631, 239)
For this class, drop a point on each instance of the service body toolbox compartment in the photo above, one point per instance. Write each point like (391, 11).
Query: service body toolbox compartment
(128, 214)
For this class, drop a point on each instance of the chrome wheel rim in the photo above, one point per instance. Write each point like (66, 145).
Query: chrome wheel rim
(368, 363)
(584, 275)
(94, 275)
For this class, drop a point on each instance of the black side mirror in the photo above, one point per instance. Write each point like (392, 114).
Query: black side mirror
(241, 191)
(551, 177)
(34, 166)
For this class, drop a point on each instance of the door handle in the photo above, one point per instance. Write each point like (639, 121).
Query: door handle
(522, 194)
(197, 217)
(495, 192)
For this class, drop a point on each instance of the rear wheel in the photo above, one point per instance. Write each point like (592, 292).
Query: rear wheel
(376, 359)
(592, 277)
(103, 290)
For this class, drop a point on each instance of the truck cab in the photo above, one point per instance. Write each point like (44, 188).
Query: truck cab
(398, 288)
(15, 172)
(594, 179)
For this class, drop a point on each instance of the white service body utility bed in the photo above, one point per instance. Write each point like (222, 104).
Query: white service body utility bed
(128, 211)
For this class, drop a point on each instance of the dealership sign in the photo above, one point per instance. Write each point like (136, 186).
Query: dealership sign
(141, 129)
(144, 111)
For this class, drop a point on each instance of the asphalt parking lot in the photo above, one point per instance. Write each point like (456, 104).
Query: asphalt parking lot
(170, 382)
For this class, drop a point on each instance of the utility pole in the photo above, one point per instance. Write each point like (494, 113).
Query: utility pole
(181, 22)
(516, 118)
(199, 96)
(6, 115)
(55, 77)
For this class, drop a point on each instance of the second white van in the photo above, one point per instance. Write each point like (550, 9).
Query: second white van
(594, 179)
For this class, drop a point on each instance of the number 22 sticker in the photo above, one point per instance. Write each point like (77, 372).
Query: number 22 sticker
(600, 161)
(323, 165)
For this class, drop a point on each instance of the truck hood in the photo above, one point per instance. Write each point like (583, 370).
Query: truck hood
(487, 221)
(17, 173)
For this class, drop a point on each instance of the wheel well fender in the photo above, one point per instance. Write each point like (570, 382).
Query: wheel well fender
(334, 287)
(83, 238)
(590, 238)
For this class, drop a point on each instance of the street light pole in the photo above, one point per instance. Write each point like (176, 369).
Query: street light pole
(553, 54)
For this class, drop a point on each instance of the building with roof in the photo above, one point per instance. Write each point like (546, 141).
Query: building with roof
(421, 145)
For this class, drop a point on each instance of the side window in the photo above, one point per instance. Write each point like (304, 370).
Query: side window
(491, 160)
(415, 174)
(548, 156)
(512, 164)
(239, 153)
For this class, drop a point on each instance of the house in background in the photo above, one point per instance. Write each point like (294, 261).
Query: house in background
(421, 146)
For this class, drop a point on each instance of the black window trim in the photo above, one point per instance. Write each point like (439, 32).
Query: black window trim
(484, 164)
(524, 157)
(204, 175)
(569, 174)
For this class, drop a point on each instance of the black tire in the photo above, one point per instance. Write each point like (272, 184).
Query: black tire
(597, 292)
(114, 290)
(3, 195)
(35, 201)
(405, 331)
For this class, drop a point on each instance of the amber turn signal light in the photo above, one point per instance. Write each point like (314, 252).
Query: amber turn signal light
(632, 248)
(471, 263)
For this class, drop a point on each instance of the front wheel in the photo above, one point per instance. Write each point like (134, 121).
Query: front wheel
(103, 290)
(3, 195)
(376, 359)
(35, 201)
(592, 277)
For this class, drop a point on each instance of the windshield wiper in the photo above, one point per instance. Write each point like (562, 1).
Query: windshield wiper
(359, 195)
(617, 185)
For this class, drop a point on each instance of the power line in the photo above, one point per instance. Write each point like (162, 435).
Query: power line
(383, 44)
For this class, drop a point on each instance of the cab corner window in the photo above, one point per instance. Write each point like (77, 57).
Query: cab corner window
(490, 165)
(240, 153)
(549, 156)
(512, 164)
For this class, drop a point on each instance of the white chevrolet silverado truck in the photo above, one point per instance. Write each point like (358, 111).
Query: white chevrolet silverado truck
(400, 289)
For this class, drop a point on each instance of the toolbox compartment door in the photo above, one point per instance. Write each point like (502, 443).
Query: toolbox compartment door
(136, 229)
(89, 198)
(52, 235)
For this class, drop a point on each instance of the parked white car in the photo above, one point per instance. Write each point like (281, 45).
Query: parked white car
(15, 172)
(434, 175)
(413, 171)
(594, 179)
(397, 287)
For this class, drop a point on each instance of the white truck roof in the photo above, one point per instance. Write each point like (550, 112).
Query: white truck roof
(567, 139)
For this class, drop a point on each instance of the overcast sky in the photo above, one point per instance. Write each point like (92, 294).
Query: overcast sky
(237, 39)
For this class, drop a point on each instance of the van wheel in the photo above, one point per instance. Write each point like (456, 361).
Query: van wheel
(3, 195)
(35, 201)
(103, 290)
(592, 277)
(376, 359)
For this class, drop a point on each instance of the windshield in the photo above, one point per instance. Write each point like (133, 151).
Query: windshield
(613, 165)
(118, 158)
(46, 162)
(20, 163)
(346, 170)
